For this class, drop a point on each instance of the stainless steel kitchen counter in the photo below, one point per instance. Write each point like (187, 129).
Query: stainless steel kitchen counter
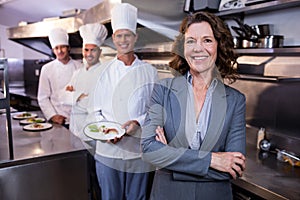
(51, 164)
(267, 177)
(29, 144)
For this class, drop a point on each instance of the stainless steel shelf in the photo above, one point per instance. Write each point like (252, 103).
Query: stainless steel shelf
(274, 51)
(261, 7)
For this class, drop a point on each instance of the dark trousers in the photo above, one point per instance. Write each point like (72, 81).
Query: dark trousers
(118, 184)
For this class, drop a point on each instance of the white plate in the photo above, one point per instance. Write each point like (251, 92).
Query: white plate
(93, 131)
(37, 127)
(32, 120)
(24, 115)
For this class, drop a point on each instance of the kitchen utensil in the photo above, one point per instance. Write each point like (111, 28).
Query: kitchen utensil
(261, 134)
(239, 31)
(249, 44)
(289, 157)
(263, 30)
(96, 130)
(271, 41)
(32, 120)
(37, 127)
(250, 32)
(24, 115)
(237, 42)
(265, 145)
(245, 31)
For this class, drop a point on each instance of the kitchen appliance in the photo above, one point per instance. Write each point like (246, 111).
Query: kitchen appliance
(231, 4)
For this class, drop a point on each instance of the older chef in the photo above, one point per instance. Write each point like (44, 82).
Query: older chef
(84, 79)
(122, 94)
(54, 77)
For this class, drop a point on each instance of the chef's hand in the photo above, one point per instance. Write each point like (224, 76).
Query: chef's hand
(58, 119)
(131, 127)
(81, 97)
(115, 140)
(160, 135)
(231, 162)
(70, 88)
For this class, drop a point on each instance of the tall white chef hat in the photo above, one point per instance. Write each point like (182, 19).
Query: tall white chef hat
(58, 36)
(93, 33)
(124, 16)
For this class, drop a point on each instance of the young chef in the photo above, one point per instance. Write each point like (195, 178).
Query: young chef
(122, 94)
(84, 79)
(54, 77)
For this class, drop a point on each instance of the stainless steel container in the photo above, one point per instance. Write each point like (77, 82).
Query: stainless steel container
(237, 42)
(249, 44)
(263, 30)
(271, 41)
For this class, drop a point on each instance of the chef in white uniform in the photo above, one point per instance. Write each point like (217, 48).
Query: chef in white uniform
(122, 94)
(84, 79)
(54, 77)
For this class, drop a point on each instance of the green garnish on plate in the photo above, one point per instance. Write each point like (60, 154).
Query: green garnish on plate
(93, 128)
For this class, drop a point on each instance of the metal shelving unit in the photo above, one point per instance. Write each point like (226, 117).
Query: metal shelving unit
(285, 51)
(268, 6)
(261, 7)
(5, 104)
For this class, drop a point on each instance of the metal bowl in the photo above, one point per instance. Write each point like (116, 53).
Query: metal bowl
(263, 30)
(271, 41)
(249, 44)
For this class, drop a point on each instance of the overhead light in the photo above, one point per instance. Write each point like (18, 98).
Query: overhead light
(4, 1)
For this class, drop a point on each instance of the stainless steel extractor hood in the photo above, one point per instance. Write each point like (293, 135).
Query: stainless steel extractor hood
(274, 66)
(34, 35)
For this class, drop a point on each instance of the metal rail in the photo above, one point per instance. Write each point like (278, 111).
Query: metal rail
(5, 103)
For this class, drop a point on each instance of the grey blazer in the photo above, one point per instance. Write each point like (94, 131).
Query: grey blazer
(181, 169)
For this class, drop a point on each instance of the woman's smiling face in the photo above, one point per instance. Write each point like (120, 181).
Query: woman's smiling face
(200, 48)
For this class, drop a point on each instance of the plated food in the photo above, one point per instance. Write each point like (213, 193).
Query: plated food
(32, 120)
(37, 127)
(24, 115)
(104, 130)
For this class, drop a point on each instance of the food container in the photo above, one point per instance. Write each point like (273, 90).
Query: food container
(271, 41)
(263, 30)
(249, 44)
(237, 42)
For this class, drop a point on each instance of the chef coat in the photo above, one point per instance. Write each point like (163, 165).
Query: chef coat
(122, 93)
(83, 81)
(53, 78)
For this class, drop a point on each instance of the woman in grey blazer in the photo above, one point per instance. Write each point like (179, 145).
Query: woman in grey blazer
(195, 126)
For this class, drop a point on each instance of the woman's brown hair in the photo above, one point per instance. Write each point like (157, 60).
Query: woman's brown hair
(226, 57)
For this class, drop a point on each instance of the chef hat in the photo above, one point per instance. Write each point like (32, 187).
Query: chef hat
(58, 36)
(93, 34)
(124, 16)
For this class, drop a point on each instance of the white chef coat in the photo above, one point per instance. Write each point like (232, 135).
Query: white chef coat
(122, 93)
(83, 81)
(53, 78)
